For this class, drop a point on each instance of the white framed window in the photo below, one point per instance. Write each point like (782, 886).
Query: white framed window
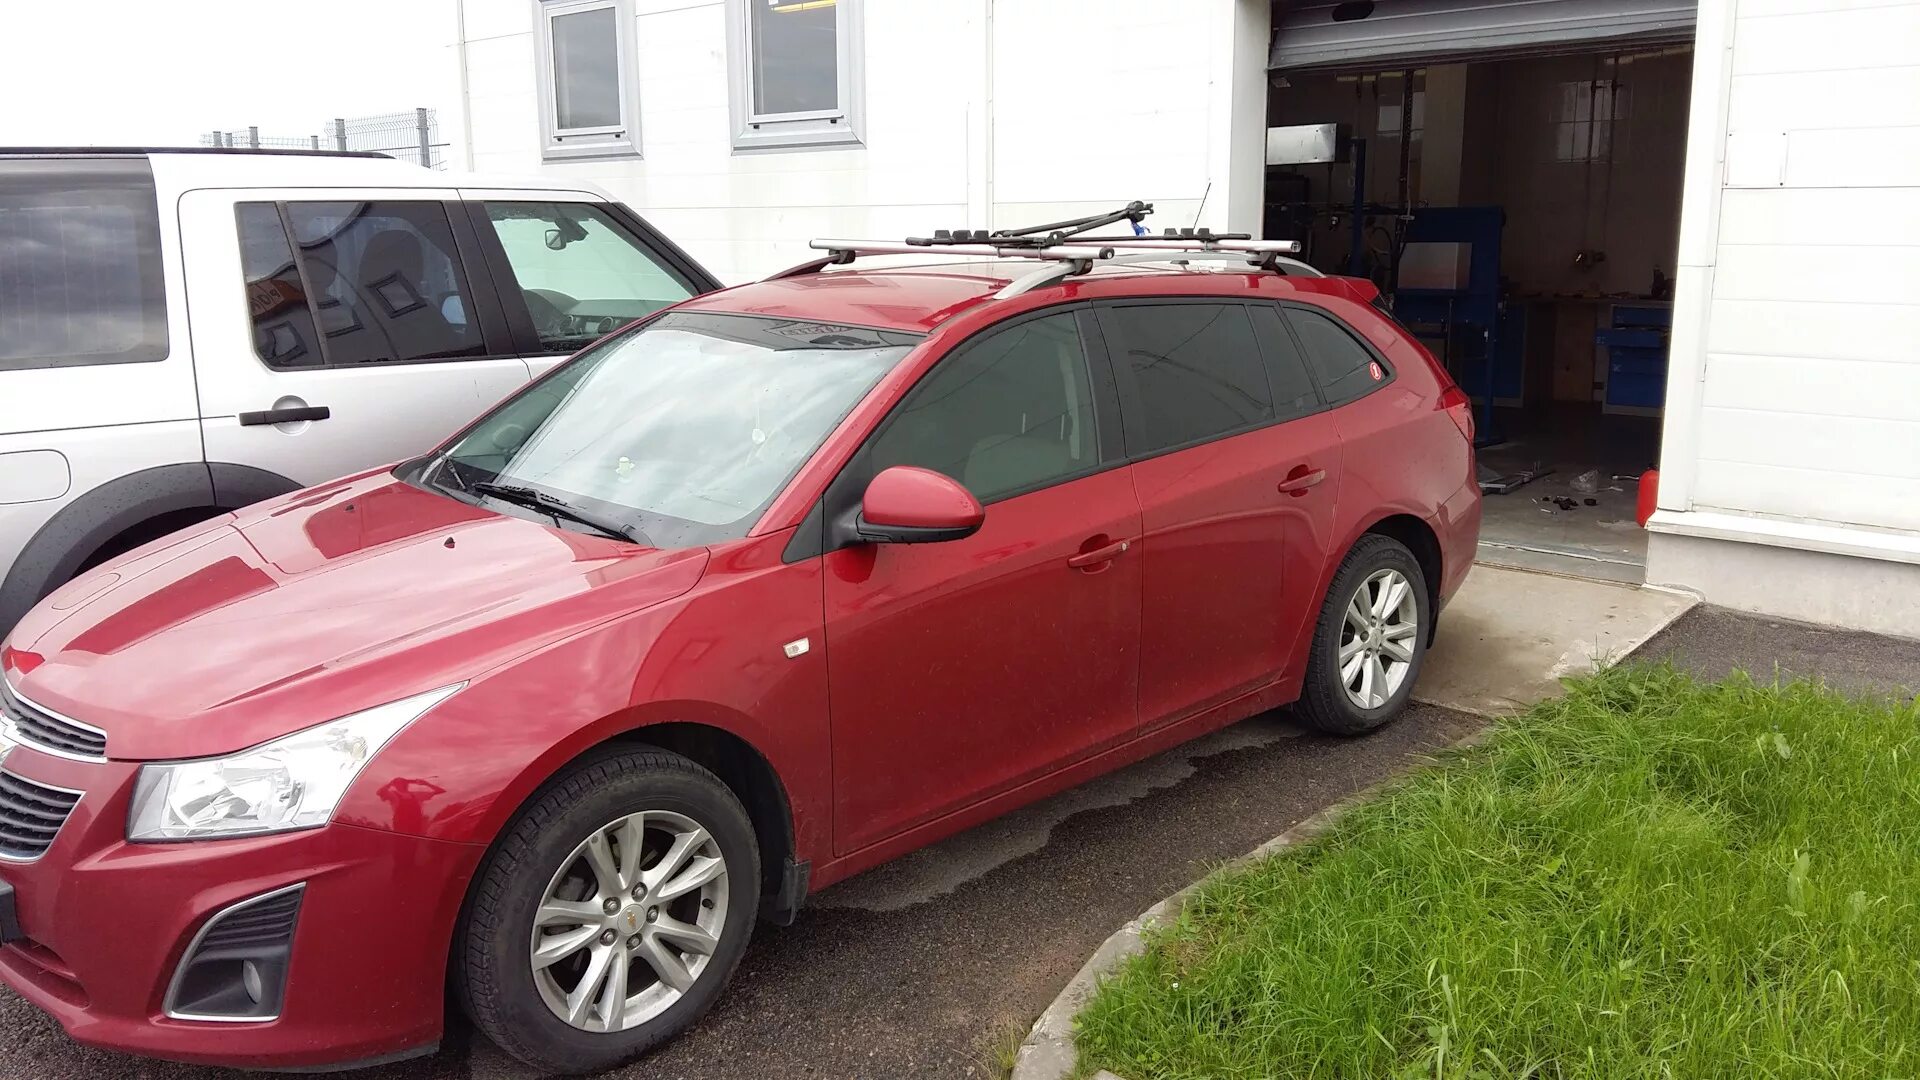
(589, 79)
(795, 72)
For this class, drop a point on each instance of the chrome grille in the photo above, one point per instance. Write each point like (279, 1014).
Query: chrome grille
(44, 731)
(30, 816)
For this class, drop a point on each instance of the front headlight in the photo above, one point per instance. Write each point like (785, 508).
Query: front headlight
(6, 741)
(291, 783)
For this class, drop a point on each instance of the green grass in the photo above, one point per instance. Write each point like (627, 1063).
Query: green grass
(1650, 877)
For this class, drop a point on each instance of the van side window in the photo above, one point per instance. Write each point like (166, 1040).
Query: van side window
(581, 274)
(80, 268)
(1346, 369)
(283, 333)
(379, 280)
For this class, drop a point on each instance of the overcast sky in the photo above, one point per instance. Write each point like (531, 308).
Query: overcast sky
(160, 72)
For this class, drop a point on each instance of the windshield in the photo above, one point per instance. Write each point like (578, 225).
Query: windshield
(679, 434)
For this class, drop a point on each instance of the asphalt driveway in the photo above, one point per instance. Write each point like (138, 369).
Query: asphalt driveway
(921, 967)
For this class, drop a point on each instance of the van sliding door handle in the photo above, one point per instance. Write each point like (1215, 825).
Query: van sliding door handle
(284, 416)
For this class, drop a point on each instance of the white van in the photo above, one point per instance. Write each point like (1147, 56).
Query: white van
(185, 332)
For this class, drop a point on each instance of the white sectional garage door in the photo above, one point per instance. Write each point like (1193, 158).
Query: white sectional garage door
(1389, 33)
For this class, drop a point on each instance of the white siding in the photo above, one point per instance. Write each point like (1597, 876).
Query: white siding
(1069, 130)
(1807, 404)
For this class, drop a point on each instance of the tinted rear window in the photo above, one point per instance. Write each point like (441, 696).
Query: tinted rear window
(1196, 369)
(1346, 369)
(80, 277)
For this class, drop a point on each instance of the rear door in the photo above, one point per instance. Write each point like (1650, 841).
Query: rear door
(338, 330)
(1237, 466)
(570, 267)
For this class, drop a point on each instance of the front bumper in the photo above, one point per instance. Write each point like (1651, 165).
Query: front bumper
(107, 923)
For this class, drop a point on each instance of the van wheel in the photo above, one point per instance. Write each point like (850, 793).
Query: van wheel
(1370, 641)
(611, 914)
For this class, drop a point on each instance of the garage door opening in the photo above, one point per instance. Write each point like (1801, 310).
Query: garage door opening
(1519, 208)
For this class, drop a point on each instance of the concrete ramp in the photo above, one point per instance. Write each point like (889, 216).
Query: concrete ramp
(1509, 636)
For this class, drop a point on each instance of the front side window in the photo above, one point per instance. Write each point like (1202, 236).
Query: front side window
(581, 274)
(682, 432)
(796, 72)
(588, 103)
(80, 275)
(1197, 372)
(1346, 369)
(1007, 414)
(379, 281)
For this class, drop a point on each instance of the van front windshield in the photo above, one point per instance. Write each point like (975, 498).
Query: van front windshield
(676, 435)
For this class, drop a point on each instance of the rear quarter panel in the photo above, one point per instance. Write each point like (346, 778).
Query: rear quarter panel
(1403, 454)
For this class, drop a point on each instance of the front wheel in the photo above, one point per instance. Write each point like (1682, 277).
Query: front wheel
(1370, 641)
(612, 914)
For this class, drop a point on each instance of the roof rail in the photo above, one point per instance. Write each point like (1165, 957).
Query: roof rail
(1065, 246)
(127, 151)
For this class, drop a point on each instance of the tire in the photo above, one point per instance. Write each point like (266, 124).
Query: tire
(1329, 702)
(545, 859)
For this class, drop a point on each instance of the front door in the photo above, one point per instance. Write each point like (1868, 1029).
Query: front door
(333, 332)
(1237, 467)
(963, 669)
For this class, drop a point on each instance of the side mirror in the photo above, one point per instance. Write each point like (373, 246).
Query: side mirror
(908, 505)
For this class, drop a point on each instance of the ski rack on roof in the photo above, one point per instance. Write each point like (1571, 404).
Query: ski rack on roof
(1068, 251)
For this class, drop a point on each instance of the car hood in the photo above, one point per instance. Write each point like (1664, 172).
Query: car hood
(313, 606)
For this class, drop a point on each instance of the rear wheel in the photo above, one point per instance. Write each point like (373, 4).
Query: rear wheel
(612, 914)
(1370, 641)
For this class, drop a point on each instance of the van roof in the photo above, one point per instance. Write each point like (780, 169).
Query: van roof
(182, 168)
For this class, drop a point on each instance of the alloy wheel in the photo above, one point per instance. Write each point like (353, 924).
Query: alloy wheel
(629, 921)
(1377, 638)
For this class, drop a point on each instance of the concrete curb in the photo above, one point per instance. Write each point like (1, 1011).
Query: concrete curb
(1048, 1053)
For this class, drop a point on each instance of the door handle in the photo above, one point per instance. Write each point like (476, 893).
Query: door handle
(1098, 555)
(1298, 481)
(284, 416)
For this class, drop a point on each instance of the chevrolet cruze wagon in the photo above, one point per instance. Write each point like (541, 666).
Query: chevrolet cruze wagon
(766, 589)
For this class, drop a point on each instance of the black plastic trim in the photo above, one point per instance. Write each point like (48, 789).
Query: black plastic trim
(784, 905)
(284, 416)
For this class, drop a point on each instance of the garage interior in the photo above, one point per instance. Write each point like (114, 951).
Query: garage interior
(1520, 170)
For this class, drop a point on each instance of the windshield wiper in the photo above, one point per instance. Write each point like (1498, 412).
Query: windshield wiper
(547, 504)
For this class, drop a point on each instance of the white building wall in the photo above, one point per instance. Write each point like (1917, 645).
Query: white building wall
(978, 113)
(1793, 415)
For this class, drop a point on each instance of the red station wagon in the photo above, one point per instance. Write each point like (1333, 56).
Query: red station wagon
(762, 591)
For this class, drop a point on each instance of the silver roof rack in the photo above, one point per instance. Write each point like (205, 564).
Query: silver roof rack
(1068, 252)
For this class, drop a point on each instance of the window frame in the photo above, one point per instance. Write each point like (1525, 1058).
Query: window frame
(608, 141)
(816, 129)
(481, 296)
(505, 284)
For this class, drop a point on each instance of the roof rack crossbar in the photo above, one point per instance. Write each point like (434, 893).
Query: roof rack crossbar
(1064, 245)
(1056, 252)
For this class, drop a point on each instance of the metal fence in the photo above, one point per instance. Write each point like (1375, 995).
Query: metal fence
(410, 136)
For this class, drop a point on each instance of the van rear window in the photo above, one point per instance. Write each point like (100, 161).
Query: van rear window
(80, 275)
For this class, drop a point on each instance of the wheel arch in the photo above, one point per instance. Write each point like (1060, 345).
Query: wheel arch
(1418, 537)
(743, 767)
(122, 514)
